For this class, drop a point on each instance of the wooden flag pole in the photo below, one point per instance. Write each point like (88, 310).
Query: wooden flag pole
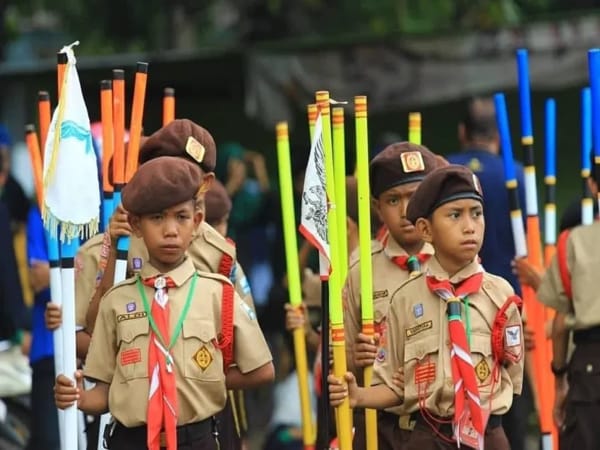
(108, 141)
(364, 239)
(587, 200)
(535, 310)
(137, 116)
(335, 291)
(45, 116)
(293, 276)
(168, 106)
(414, 127)
(339, 169)
(550, 182)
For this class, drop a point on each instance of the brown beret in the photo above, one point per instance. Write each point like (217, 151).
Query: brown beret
(400, 163)
(443, 185)
(217, 203)
(184, 138)
(161, 183)
(352, 198)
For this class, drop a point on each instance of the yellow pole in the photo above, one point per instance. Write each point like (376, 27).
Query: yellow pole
(293, 275)
(335, 292)
(312, 118)
(364, 236)
(339, 168)
(414, 127)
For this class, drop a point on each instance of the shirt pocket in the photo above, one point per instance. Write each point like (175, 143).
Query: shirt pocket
(202, 360)
(483, 364)
(133, 348)
(421, 365)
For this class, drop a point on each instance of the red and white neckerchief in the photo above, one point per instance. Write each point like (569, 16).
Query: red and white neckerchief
(466, 392)
(162, 396)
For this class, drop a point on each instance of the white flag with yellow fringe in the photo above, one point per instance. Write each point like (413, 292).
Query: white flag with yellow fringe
(71, 186)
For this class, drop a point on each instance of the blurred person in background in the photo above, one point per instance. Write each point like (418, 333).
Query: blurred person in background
(244, 175)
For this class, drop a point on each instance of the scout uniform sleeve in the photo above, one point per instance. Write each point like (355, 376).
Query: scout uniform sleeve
(551, 291)
(242, 287)
(352, 320)
(390, 356)
(85, 283)
(101, 357)
(513, 345)
(249, 346)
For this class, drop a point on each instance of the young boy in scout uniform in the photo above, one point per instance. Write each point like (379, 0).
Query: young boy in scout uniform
(395, 174)
(570, 287)
(452, 329)
(157, 355)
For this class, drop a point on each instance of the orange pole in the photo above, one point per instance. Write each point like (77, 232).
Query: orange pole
(45, 116)
(137, 114)
(108, 138)
(118, 102)
(168, 105)
(33, 146)
(61, 65)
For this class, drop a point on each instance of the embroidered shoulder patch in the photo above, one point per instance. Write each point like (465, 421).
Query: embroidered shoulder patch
(513, 336)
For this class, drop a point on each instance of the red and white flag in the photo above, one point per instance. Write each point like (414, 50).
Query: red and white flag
(315, 205)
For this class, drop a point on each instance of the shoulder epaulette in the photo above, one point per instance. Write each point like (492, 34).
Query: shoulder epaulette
(214, 238)
(214, 276)
(376, 247)
(414, 277)
(125, 282)
(497, 289)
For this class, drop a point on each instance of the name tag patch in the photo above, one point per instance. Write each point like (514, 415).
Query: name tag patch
(131, 356)
(513, 336)
(410, 332)
(131, 316)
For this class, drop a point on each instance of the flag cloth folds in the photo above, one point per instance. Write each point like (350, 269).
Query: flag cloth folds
(314, 206)
(71, 187)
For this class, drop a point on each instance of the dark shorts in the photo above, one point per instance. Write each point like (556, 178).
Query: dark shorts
(194, 436)
(582, 422)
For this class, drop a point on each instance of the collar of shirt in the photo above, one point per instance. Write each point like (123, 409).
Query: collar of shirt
(179, 274)
(392, 248)
(435, 270)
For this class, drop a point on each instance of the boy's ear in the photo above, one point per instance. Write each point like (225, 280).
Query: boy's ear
(198, 217)
(134, 221)
(206, 183)
(423, 227)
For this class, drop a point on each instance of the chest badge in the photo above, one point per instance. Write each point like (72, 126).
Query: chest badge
(418, 310)
(203, 358)
(482, 370)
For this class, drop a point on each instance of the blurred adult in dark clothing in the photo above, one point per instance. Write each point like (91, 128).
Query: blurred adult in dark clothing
(13, 313)
(11, 192)
(480, 147)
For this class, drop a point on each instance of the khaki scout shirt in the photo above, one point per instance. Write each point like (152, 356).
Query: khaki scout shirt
(418, 340)
(118, 353)
(583, 261)
(387, 277)
(206, 250)
(90, 263)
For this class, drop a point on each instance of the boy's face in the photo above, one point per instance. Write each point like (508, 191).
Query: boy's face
(456, 231)
(391, 209)
(167, 234)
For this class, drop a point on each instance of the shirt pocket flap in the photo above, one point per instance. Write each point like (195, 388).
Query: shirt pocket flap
(201, 329)
(129, 330)
(420, 348)
(481, 344)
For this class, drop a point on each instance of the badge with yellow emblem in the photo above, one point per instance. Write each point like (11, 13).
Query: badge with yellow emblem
(203, 358)
(412, 162)
(482, 370)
